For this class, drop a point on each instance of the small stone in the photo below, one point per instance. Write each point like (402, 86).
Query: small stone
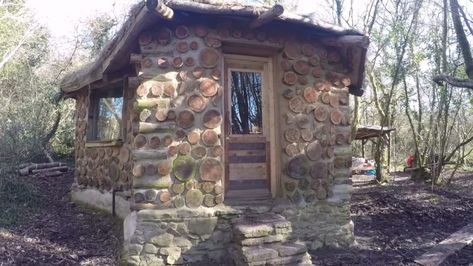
(162, 240)
(133, 260)
(182, 242)
(134, 249)
(174, 253)
(194, 198)
(150, 259)
(201, 226)
(150, 248)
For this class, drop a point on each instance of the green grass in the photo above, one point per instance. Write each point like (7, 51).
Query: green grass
(17, 199)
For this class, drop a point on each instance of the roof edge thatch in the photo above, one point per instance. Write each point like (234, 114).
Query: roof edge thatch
(140, 18)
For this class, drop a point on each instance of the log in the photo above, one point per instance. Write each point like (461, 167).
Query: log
(28, 169)
(182, 47)
(290, 78)
(50, 174)
(185, 119)
(197, 72)
(301, 67)
(194, 45)
(189, 61)
(160, 9)
(308, 50)
(136, 58)
(52, 169)
(201, 31)
(162, 127)
(209, 58)
(211, 170)
(146, 103)
(177, 62)
(182, 32)
(149, 155)
(212, 119)
(267, 16)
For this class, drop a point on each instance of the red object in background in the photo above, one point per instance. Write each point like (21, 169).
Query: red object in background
(410, 160)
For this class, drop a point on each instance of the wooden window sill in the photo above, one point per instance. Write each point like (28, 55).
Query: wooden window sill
(103, 143)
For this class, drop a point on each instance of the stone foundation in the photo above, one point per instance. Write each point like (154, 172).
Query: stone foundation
(102, 200)
(279, 234)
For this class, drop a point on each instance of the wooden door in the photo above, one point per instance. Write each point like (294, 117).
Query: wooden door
(247, 128)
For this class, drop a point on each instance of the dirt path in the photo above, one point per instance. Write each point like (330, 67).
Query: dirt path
(40, 226)
(396, 223)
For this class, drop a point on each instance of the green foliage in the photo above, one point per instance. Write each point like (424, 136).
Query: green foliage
(99, 31)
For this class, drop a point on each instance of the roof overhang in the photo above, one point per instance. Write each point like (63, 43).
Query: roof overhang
(116, 55)
(368, 132)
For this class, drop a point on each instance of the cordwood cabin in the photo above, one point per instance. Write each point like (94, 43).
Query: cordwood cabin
(222, 133)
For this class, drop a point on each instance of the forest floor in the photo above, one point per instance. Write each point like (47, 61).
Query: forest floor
(394, 224)
(39, 225)
(398, 222)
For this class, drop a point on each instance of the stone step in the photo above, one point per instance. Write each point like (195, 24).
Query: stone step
(272, 254)
(261, 239)
(261, 225)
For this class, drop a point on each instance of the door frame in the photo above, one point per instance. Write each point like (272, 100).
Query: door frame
(270, 127)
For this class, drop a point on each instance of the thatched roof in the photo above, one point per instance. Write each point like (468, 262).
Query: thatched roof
(115, 55)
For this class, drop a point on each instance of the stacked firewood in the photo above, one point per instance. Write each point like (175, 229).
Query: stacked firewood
(43, 169)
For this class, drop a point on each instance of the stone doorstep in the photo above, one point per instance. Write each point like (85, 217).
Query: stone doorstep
(289, 249)
(253, 230)
(303, 259)
(261, 240)
(262, 225)
(278, 252)
(253, 254)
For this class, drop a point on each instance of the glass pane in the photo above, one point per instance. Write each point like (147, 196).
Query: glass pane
(109, 118)
(246, 101)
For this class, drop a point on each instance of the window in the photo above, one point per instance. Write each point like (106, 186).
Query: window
(246, 105)
(105, 115)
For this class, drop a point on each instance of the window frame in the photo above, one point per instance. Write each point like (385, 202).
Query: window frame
(95, 95)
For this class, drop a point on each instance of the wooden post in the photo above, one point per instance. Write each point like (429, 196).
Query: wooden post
(159, 8)
(363, 148)
(267, 16)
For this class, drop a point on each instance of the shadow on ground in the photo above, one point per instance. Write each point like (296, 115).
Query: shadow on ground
(40, 226)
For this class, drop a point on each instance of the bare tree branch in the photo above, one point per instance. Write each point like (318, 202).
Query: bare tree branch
(453, 81)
